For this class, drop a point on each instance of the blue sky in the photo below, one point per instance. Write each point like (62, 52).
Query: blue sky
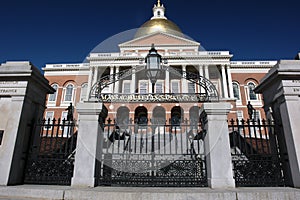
(65, 31)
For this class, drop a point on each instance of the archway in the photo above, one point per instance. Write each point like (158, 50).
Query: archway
(176, 116)
(194, 116)
(141, 115)
(122, 117)
(159, 116)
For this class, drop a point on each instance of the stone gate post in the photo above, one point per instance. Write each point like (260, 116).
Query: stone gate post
(216, 145)
(88, 144)
(23, 92)
(281, 92)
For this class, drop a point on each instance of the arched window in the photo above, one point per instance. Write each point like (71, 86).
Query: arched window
(141, 115)
(52, 97)
(158, 13)
(194, 116)
(236, 90)
(251, 93)
(83, 92)
(159, 116)
(69, 90)
(123, 117)
(176, 116)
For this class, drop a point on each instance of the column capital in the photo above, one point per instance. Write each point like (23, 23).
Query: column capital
(89, 108)
(216, 108)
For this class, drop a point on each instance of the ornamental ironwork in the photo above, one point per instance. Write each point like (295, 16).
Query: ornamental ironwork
(51, 155)
(255, 153)
(162, 98)
(210, 93)
(152, 155)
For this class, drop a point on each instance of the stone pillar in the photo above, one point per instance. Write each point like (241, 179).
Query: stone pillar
(88, 144)
(224, 79)
(117, 81)
(184, 85)
(281, 92)
(111, 86)
(23, 92)
(133, 81)
(216, 144)
(229, 81)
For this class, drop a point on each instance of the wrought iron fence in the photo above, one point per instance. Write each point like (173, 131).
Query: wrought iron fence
(152, 155)
(255, 153)
(51, 155)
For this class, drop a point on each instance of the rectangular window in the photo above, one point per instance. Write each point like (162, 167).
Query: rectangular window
(143, 87)
(126, 87)
(64, 126)
(175, 87)
(1, 136)
(69, 92)
(240, 114)
(159, 87)
(48, 120)
(83, 93)
(52, 97)
(191, 88)
(256, 115)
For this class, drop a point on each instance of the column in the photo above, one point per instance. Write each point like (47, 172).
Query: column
(230, 82)
(111, 86)
(95, 77)
(206, 72)
(184, 85)
(167, 82)
(150, 87)
(88, 144)
(89, 82)
(133, 81)
(217, 145)
(224, 79)
(200, 69)
(117, 81)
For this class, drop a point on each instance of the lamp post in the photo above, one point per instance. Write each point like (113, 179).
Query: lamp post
(153, 66)
(153, 69)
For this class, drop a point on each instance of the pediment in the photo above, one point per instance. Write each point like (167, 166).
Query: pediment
(160, 39)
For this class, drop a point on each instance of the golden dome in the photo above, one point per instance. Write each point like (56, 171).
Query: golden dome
(158, 25)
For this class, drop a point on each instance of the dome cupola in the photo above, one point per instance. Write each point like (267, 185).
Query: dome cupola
(158, 23)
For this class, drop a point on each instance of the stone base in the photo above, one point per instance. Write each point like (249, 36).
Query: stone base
(133, 193)
(221, 183)
(83, 182)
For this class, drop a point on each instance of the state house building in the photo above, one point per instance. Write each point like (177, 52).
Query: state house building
(127, 93)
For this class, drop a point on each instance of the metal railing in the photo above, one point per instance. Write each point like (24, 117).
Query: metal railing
(152, 154)
(255, 153)
(51, 155)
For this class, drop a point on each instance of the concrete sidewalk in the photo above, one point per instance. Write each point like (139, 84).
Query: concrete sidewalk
(25, 192)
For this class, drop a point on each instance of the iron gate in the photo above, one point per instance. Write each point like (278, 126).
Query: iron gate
(152, 155)
(255, 153)
(51, 155)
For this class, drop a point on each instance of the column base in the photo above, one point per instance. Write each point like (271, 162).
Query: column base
(221, 183)
(83, 182)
